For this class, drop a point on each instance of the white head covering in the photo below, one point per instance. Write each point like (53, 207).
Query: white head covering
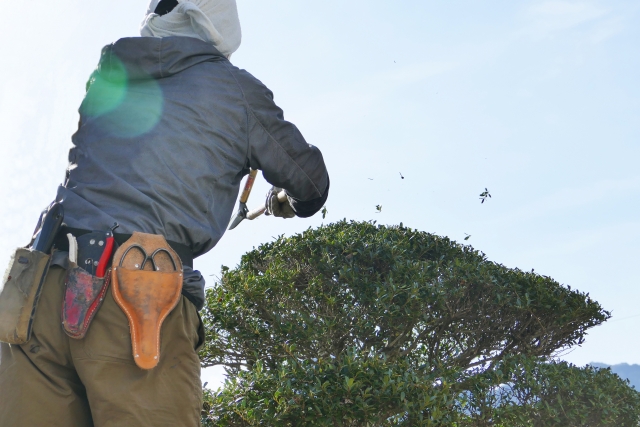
(214, 21)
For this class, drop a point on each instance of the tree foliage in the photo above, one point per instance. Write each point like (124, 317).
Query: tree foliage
(354, 324)
(557, 394)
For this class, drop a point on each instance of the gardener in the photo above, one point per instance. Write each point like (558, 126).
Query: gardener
(168, 129)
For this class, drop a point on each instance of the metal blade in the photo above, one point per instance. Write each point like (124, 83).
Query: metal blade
(239, 216)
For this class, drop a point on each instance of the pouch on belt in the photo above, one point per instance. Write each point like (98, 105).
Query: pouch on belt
(20, 294)
(147, 285)
(22, 285)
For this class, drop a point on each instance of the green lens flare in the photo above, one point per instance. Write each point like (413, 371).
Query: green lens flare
(105, 94)
(123, 107)
(138, 113)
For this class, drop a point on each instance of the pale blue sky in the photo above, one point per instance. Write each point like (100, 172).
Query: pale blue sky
(536, 100)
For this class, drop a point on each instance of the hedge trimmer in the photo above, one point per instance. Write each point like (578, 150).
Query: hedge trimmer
(244, 212)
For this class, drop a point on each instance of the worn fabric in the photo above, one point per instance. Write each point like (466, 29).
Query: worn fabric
(168, 129)
(19, 293)
(212, 21)
(56, 381)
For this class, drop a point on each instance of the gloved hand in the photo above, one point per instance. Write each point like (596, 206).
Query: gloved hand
(277, 208)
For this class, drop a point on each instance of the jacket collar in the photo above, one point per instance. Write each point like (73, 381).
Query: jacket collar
(142, 58)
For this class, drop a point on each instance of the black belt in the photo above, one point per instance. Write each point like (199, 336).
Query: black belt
(62, 243)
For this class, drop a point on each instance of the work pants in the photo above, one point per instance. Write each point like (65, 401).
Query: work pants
(57, 381)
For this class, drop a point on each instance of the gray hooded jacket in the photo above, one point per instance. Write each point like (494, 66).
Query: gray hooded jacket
(168, 129)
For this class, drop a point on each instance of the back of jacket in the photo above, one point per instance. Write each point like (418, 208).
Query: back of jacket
(168, 129)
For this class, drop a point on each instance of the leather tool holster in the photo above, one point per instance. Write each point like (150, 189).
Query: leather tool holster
(83, 296)
(147, 286)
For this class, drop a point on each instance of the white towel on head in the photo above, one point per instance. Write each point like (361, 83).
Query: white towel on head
(152, 7)
(214, 21)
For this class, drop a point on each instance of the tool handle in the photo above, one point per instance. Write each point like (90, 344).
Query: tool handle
(73, 248)
(51, 224)
(282, 197)
(104, 259)
(251, 179)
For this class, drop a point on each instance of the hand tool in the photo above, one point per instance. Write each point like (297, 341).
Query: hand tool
(103, 264)
(251, 215)
(106, 256)
(242, 208)
(50, 225)
(91, 247)
(149, 258)
(73, 248)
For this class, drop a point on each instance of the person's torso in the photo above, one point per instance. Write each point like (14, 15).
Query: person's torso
(160, 155)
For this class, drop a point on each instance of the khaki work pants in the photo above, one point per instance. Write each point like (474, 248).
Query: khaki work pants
(56, 381)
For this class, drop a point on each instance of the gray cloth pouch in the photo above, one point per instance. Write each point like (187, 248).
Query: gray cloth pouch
(84, 294)
(19, 295)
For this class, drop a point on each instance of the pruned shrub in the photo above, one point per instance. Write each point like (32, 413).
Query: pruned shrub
(354, 324)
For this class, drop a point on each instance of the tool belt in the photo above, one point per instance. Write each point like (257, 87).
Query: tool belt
(62, 244)
(147, 286)
(146, 275)
(146, 278)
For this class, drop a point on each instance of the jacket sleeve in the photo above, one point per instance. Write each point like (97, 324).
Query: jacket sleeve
(278, 149)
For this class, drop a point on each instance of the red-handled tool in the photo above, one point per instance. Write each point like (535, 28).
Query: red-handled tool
(109, 245)
(106, 256)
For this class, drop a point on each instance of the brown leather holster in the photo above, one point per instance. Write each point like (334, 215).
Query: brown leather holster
(147, 286)
(83, 297)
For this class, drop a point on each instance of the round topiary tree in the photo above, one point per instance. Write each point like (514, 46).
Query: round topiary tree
(358, 324)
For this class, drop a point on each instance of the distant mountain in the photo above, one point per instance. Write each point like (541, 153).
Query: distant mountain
(624, 370)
